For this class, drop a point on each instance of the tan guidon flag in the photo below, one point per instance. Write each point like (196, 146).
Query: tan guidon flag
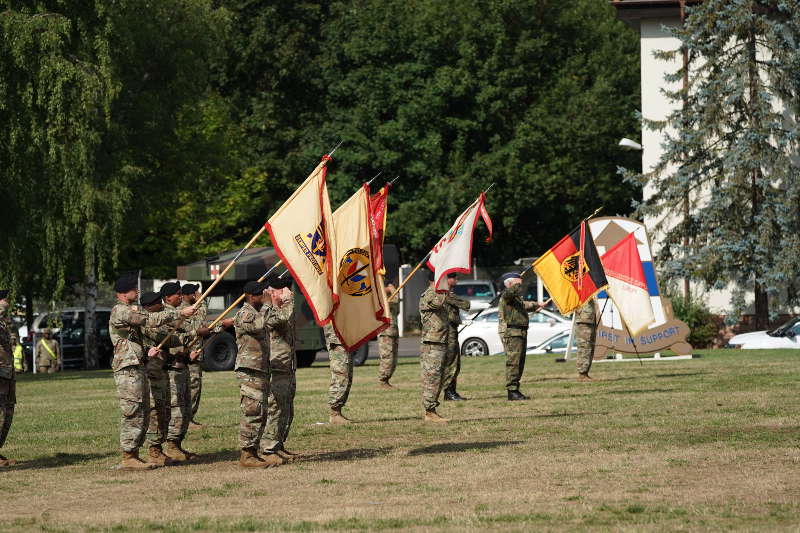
(300, 235)
(362, 311)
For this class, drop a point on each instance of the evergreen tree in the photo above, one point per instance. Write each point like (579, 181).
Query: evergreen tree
(728, 151)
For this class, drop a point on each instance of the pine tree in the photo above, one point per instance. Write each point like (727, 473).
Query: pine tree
(729, 146)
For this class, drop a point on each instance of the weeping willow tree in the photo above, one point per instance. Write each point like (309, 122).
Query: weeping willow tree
(88, 96)
(730, 152)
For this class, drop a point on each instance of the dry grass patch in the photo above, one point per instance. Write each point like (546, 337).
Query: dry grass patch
(710, 443)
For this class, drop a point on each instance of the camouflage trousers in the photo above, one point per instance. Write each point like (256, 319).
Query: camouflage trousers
(515, 360)
(195, 387)
(180, 412)
(159, 402)
(8, 397)
(341, 376)
(253, 394)
(452, 362)
(133, 392)
(431, 359)
(280, 409)
(584, 339)
(387, 351)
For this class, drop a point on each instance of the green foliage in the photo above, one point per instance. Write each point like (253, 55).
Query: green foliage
(702, 324)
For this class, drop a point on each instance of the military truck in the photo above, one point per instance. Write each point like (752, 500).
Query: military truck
(220, 354)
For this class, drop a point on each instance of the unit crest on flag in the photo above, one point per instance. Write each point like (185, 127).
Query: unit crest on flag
(354, 278)
(569, 268)
(312, 245)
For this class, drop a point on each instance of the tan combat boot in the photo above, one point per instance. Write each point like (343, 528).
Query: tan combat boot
(156, 457)
(5, 461)
(131, 461)
(174, 451)
(271, 460)
(384, 384)
(337, 417)
(584, 377)
(433, 416)
(250, 459)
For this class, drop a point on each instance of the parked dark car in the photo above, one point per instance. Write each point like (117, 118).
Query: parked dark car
(68, 328)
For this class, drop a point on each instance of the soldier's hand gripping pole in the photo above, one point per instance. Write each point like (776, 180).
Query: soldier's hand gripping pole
(410, 275)
(222, 315)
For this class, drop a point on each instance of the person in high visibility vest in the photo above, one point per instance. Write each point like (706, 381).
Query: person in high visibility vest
(48, 353)
(19, 355)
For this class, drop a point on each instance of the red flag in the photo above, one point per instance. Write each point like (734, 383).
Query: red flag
(377, 223)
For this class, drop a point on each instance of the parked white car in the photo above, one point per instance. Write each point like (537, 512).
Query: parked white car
(479, 292)
(480, 336)
(786, 336)
(557, 344)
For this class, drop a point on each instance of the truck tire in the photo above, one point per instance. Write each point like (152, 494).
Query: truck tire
(220, 353)
(360, 355)
(305, 358)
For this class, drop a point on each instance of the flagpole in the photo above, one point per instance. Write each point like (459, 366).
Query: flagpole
(416, 268)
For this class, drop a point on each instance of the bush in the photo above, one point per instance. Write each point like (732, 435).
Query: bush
(702, 324)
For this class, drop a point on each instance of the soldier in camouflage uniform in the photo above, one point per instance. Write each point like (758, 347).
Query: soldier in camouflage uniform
(252, 323)
(452, 364)
(435, 332)
(190, 294)
(178, 374)
(283, 366)
(388, 342)
(585, 332)
(341, 363)
(128, 366)
(513, 329)
(8, 396)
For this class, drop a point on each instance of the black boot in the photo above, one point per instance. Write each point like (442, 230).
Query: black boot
(450, 394)
(516, 395)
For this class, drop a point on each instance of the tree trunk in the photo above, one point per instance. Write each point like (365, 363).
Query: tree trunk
(28, 308)
(761, 305)
(90, 302)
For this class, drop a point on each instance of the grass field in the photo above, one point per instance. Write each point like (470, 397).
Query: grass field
(706, 444)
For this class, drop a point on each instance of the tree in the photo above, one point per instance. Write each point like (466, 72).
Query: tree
(729, 149)
(90, 95)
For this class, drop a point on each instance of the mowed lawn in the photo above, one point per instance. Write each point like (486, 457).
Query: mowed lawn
(710, 443)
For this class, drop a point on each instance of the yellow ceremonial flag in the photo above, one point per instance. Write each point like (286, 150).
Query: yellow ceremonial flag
(300, 234)
(362, 310)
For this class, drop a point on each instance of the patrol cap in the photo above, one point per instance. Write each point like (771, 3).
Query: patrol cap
(279, 283)
(3, 293)
(150, 298)
(190, 288)
(254, 287)
(170, 288)
(510, 275)
(126, 282)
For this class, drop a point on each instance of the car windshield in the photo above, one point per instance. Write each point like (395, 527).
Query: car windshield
(474, 291)
(487, 317)
(781, 330)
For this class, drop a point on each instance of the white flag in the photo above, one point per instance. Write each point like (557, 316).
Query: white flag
(453, 253)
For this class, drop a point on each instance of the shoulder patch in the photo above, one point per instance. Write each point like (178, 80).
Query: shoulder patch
(247, 316)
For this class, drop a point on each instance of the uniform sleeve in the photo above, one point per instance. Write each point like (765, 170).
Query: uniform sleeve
(162, 318)
(433, 301)
(249, 322)
(461, 303)
(529, 306)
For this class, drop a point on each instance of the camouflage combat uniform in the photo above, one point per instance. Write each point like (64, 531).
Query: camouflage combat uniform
(128, 366)
(513, 329)
(48, 361)
(433, 312)
(195, 367)
(283, 383)
(387, 344)
(585, 331)
(178, 374)
(253, 371)
(452, 363)
(8, 396)
(341, 362)
(159, 380)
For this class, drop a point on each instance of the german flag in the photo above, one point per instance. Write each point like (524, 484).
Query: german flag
(571, 270)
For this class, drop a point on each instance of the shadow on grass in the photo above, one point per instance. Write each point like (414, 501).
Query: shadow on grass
(528, 416)
(346, 455)
(680, 374)
(636, 391)
(453, 447)
(61, 459)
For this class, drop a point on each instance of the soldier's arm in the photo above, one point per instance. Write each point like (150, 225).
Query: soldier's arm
(162, 318)
(248, 322)
(530, 306)
(461, 303)
(433, 302)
